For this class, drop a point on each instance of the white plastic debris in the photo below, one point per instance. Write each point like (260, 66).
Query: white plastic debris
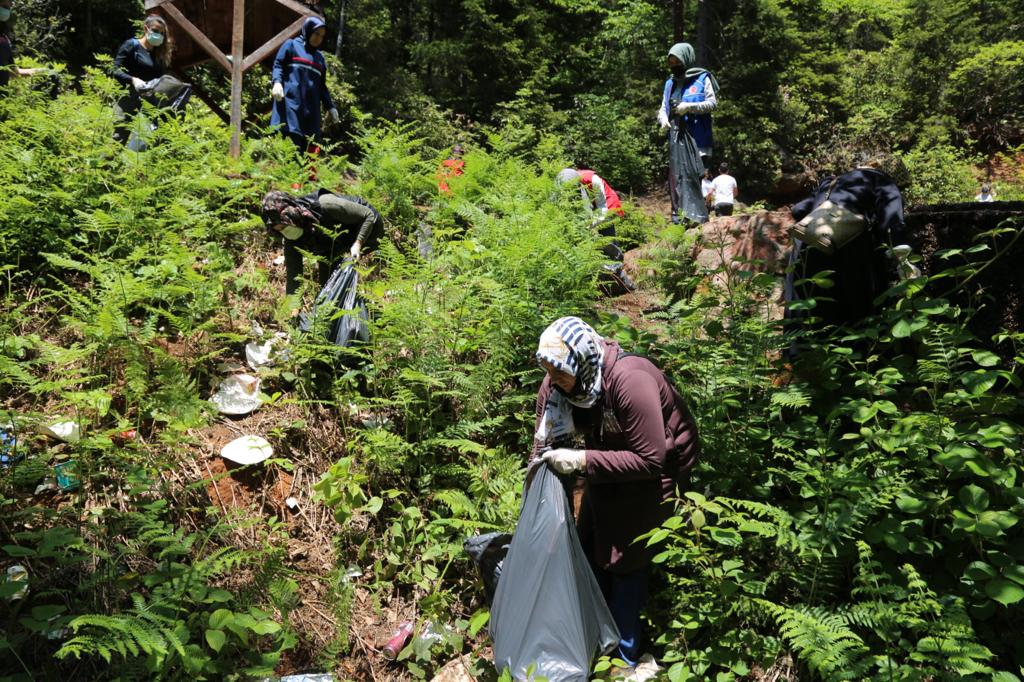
(278, 261)
(237, 394)
(259, 354)
(18, 574)
(315, 677)
(292, 503)
(247, 450)
(66, 431)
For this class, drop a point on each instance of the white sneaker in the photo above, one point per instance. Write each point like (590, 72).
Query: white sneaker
(645, 669)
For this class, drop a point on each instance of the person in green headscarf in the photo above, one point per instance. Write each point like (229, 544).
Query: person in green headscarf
(688, 98)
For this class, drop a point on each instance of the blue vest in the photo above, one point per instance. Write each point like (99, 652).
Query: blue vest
(698, 125)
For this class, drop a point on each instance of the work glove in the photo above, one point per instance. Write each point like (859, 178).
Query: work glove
(333, 113)
(277, 92)
(665, 126)
(138, 83)
(566, 461)
(904, 268)
(683, 108)
(354, 251)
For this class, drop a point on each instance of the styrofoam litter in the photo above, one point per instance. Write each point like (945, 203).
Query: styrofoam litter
(67, 431)
(237, 394)
(268, 352)
(18, 574)
(247, 450)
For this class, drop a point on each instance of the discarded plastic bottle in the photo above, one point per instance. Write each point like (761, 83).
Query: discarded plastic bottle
(397, 641)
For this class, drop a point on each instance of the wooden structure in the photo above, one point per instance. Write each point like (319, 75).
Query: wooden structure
(226, 31)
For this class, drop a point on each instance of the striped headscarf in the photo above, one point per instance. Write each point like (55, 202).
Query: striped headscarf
(282, 208)
(570, 345)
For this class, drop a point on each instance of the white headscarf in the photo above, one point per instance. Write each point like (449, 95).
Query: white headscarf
(570, 345)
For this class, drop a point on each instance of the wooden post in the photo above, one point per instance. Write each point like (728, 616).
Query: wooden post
(237, 63)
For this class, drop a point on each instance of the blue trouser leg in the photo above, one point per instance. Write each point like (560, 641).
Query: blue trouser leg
(626, 595)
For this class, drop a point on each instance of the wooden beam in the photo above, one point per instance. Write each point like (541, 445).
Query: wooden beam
(298, 8)
(271, 45)
(237, 58)
(209, 101)
(196, 35)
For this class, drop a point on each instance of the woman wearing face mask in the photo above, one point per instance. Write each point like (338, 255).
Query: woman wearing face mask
(640, 441)
(300, 87)
(688, 98)
(7, 68)
(325, 224)
(137, 62)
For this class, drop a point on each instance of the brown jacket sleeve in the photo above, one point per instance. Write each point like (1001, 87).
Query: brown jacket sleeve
(637, 406)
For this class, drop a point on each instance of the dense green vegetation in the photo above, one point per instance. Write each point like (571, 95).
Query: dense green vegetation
(857, 515)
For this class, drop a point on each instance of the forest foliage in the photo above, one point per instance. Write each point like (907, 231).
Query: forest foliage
(857, 515)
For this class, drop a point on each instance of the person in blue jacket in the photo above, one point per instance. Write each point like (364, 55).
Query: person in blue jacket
(300, 86)
(688, 98)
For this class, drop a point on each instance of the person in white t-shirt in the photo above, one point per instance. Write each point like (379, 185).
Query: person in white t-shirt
(985, 195)
(726, 190)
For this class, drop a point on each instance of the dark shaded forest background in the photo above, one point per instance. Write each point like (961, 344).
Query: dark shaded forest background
(805, 84)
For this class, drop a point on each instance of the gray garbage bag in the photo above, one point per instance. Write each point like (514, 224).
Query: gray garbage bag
(685, 171)
(340, 293)
(548, 617)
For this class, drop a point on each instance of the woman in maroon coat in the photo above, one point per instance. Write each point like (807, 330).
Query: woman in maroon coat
(640, 441)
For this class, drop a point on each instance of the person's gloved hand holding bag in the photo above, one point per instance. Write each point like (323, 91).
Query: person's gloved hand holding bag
(566, 461)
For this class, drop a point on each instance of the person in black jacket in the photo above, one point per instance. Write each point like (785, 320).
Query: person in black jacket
(7, 67)
(327, 225)
(137, 62)
(862, 268)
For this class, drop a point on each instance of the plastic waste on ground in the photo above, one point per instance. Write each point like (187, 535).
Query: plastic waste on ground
(237, 394)
(340, 293)
(549, 616)
(310, 677)
(261, 354)
(488, 553)
(247, 450)
(455, 670)
(16, 574)
(9, 453)
(66, 474)
(397, 641)
(67, 431)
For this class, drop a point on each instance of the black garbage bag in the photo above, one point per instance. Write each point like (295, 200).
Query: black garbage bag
(686, 169)
(167, 92)
(488, 553)
(548, 617)
(341, 293)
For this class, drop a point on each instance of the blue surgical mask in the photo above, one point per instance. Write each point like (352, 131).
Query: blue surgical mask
(5, 13)
(155, 38)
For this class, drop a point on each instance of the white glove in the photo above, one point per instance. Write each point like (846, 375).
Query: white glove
(683, 107)
(905, 269)
(138, 83)
(354, 251)
(277, 92)
(333, 113)
(665, 126)
(566, 461)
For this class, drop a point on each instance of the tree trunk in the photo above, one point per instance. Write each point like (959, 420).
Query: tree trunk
(341, 30)
(703, 32)
(678, 34)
